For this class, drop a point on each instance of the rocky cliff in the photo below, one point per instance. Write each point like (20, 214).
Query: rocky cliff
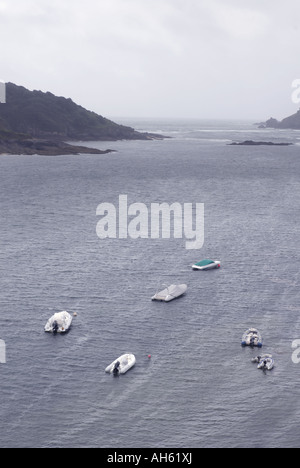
(32, 119)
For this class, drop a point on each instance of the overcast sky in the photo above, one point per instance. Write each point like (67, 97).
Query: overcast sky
(157, 58)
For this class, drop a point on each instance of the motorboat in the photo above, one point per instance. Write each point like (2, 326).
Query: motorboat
(171, 292)
(265, 362)
(59, 323)
(252, 337)
(121, 365)
(205, 265)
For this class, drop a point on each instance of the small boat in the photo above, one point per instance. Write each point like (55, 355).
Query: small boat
(252, 337)
(59, 323)
(170, 293)
(265, 362)
(121, 365)
(205, 265)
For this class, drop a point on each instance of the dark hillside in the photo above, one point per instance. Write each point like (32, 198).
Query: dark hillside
(43, 115)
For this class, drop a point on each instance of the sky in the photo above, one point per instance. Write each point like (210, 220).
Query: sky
(206, 59)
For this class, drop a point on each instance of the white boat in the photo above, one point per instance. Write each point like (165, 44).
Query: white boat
(205, 265)
(170, 293)
(265, 362)
(121, 365)
(252, 337)
(59, 323)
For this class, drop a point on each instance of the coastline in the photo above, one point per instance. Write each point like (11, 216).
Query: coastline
(40, 147)
(46, 147)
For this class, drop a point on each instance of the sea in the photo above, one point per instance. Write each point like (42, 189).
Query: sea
(199, 389)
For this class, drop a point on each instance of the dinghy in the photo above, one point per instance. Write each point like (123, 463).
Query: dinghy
(265, 362)
(121, 365)
(205, 265)
(252, 337)
(59, 323)
(170, 293)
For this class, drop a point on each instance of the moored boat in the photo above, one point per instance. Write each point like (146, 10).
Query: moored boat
(252, 337)
(205, 265)
(59, 323)
(121, 365)
(170, 293)
(265, 362)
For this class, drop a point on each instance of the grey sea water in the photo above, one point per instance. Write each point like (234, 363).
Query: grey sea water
(200, 388)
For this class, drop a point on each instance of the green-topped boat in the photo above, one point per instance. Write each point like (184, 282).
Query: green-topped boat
(207, 265)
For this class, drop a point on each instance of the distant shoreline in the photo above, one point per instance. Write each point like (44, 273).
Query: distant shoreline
(30, 147)
(259, 143)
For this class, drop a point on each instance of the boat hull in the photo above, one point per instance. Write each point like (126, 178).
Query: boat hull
(169, 294)
(63, 321)
(211, 266)
(127, 361)
(266, 362)
(252, 338)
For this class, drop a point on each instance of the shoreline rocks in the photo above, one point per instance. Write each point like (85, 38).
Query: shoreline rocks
(40, 147)
(259, 143)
